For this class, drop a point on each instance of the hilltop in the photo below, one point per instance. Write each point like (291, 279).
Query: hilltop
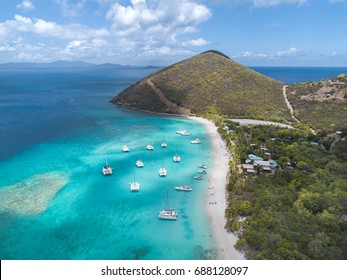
(321, 104)
(208, 83)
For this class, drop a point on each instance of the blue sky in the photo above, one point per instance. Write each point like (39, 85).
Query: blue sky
(161, 32)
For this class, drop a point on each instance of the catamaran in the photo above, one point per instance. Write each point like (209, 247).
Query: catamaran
(162, 170)
(106, 170)
(125, 148)
(167, 213)
(176, 158)
(149, 148)
(134, 186)
(139, 163)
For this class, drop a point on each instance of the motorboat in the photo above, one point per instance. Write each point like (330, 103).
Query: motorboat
(195, 141)
(198, 177)
(183, 188)
(203, 166)
(202, 171)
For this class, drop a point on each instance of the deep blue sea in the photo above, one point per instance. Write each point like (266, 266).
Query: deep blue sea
(57, 127)
(291, 75)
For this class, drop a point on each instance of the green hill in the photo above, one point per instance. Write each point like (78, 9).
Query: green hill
(321, 104)
(208, 83)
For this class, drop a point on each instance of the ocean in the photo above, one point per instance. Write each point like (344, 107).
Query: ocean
(291, 75)
(57, 127)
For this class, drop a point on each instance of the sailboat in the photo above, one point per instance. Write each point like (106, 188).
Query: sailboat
(176, 158)
(162, 170)
(106, 170)
(134, 186)
(167, 213)
(139, 163)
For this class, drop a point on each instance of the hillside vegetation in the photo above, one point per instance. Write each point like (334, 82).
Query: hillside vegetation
(297, 210)
(321, 104)
(208, 83)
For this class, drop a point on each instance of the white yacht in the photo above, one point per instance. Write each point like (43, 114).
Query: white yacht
(125, 149)
(183, 188)
(183, 132)
(106, 170)
(196, 141)
(202, 171)
(134, 186)
(162, 172)
(139, 163)
(163, 145)
(176, 158)
(149, 148)
(167, 213)
(203, 166)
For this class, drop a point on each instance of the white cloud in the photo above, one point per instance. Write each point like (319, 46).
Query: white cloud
(6, 47)
(23, 56)
(70, 10)
(196, 43)
(155, 26)
(291, 52)
(163, 18)
(49, 28)
(26, 6)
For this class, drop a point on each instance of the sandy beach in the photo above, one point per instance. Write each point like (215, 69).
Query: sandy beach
(216, 201)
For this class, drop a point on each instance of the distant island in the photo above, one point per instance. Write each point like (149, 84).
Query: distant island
(67, 64)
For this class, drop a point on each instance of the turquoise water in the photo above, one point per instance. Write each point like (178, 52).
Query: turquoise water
(57, 127)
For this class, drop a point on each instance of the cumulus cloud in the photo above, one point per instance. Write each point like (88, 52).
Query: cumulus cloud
(49, 28)
(291, 52)
(196, 43)
(70, 10)
(26, 6)
(158, 20)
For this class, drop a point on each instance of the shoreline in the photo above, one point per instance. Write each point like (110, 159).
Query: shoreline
(216, 197)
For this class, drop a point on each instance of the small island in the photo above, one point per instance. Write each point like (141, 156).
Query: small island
(283, 192)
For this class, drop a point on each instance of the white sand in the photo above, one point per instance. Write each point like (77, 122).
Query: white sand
(216, 201)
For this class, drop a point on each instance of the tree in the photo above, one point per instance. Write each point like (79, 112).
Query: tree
(283, 161)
